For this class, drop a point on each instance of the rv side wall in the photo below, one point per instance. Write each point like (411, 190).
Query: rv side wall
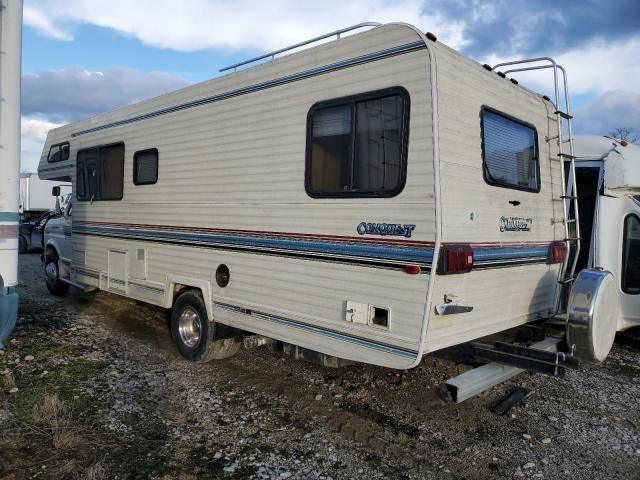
(231, 190)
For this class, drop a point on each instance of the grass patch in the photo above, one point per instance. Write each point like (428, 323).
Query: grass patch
(49, 421)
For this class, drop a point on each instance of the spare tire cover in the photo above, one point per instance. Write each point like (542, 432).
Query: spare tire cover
(593, 312)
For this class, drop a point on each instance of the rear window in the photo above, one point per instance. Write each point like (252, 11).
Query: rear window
(509, 152)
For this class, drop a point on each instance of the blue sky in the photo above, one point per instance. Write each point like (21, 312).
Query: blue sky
(82, 57)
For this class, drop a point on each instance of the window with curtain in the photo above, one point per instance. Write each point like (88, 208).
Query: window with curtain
(357, 146)
(510, 153)
(100, 173)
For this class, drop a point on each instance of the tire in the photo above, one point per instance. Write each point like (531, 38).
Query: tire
(195, 334)
(52, 276)
(22, 244)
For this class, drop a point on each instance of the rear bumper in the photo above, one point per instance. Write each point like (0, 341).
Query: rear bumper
(8, 314)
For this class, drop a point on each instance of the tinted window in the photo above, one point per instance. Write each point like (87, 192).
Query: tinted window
(631, 255)
(357, 146)
(58, 152)
(510, 153)
(100, 172)
(145, 167)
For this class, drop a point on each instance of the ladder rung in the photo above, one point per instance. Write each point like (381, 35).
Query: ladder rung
(571, 220)
(567, 280)
(567, 156)
(572, 239)
(568, 197)
(563, 114)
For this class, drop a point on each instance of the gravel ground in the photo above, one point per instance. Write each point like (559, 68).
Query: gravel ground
(134, 409)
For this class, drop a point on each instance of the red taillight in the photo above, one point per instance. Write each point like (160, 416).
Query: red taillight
(557, 252)
(455, 259)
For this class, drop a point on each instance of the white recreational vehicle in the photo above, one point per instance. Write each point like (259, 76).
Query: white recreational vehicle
(608, 179)
(373, 198)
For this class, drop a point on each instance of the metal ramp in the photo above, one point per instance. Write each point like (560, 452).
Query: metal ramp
(569, 196)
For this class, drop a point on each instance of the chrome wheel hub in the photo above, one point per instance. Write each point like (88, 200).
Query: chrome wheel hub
(51, 272)
(190, 327)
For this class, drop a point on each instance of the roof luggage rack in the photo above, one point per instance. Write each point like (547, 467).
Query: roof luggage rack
(273, 54)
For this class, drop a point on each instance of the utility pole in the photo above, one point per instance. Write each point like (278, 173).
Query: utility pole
(10, 70)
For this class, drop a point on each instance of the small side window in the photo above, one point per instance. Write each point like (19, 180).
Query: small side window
(58, 152)
(631, 256)
(145, 167)
(509, 152)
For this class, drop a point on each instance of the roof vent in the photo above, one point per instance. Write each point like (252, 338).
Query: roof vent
(431, 37)
(487, 67)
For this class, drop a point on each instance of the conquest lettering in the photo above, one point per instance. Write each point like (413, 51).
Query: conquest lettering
(394, 229)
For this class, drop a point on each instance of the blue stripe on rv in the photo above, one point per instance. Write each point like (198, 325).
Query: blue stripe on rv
(383, 252)
(481, 254)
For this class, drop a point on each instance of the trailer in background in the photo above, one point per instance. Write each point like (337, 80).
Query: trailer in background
(10, 46)
(35, 195)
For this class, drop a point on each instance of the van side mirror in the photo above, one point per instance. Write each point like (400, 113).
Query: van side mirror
(55, 191)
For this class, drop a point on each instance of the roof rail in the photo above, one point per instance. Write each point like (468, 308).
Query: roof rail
(337, 33)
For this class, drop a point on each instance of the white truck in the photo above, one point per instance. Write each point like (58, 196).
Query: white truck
(35, 195)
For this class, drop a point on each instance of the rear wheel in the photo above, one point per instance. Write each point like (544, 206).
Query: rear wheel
(52, 276)
(195, 334)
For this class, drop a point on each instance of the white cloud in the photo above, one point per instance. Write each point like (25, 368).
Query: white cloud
(38, 20)
(34, 133)
(73, 93)
(593, 68)
(192, 25)
(36, 129)
(613, 109)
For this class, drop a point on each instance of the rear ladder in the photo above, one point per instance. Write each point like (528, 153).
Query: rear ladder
(569, 196)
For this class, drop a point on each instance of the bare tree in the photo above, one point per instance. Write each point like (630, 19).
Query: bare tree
(625, 133)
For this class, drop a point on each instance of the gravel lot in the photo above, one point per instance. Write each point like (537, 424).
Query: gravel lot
(92, 387)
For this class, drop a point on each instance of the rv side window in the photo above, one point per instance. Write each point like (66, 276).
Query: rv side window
(145, 167)
(100, 173)
(631, 256)
(58, 152)
(509, 152)
(357, 146)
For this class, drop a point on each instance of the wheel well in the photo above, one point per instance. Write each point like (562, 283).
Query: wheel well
(50, 251)
(179, 288)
